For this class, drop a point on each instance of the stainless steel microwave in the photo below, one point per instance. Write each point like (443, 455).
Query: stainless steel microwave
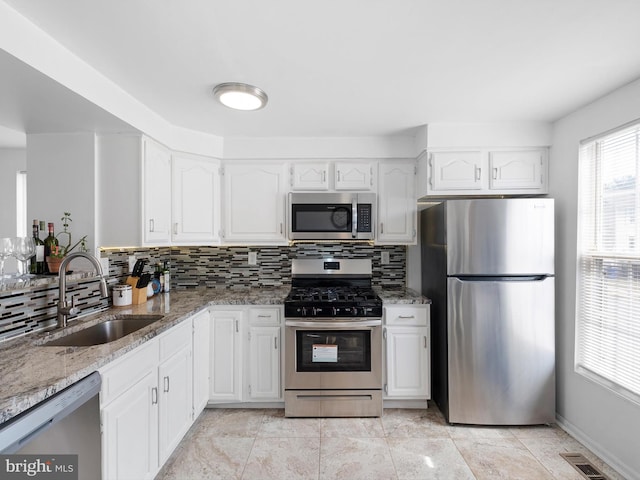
(332, 216)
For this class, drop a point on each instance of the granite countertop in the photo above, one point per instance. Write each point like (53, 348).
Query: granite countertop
(32, 372)
(401, 296)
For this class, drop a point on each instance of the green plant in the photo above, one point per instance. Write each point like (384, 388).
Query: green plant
(61, 251)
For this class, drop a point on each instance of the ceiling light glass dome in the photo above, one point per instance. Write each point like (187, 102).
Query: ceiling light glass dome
(240, 96)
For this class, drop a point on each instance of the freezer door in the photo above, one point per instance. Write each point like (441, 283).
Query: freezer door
(500, 236)
(501, 351)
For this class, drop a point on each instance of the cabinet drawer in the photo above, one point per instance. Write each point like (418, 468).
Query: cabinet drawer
(174, 340)
(264, 316)
(119, 375)
(406, 315)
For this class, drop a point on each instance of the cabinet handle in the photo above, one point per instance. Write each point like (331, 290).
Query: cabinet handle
(324, 176)
(175, 228)
(237, 328)
(371, 176)
(338, 172)
(275, 343)
(425, 341)
(495, 173)
(406, 316)
(154, 395)
(478, 173)
(166, 384)
(151, 225)
(386, 388)
(381, 227)
(280, 228)
(264, 316)
(384, 333)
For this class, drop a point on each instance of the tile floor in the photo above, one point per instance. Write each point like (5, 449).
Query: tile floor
(403, 444)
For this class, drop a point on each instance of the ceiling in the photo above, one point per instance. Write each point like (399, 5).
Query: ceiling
(341, 68)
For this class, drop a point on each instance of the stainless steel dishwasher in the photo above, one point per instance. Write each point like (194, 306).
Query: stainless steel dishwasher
(68, 423)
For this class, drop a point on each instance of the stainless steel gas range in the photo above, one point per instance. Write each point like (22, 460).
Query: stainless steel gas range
(333, 340)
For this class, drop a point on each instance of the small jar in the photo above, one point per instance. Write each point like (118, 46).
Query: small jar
(122, 295)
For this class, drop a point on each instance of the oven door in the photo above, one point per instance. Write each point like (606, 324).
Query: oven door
(333, 354)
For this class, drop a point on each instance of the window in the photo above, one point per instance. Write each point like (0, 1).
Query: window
(608, 295)
(21, 204)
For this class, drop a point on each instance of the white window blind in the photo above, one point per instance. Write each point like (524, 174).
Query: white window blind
(608, 295)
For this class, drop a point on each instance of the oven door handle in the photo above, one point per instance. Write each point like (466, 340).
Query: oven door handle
(316, 325)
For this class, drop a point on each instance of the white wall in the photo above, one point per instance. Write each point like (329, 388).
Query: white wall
(319, 147)
(12, 160)
(598, 417)
(62, 178)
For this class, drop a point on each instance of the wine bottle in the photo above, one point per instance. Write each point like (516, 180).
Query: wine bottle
(37, 264)
(49, 242)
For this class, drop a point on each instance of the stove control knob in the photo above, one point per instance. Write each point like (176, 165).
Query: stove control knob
(334, 311)
(304, 311)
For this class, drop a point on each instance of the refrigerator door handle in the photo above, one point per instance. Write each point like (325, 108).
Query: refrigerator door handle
(508, 278)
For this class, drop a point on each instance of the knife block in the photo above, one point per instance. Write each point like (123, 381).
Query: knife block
(138, 295)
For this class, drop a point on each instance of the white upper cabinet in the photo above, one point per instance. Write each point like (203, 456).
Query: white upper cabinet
(456, 170)
(355, 175)
(156, 187)
(254, 203)
(397, 206)
(518, 171)
(310, 176)
(195, 199)
(333, 175)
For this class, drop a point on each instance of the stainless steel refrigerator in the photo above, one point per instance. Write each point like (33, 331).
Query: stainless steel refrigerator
(488, 267)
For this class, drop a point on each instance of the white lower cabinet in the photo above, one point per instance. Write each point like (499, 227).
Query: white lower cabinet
(246, 355)
(407, 352)
(175, 388)
(226, 356)
(130, 433)
(201, 354)
(264, 354)
(146, 405)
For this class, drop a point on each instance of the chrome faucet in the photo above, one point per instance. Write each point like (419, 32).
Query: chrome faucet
(64, 310)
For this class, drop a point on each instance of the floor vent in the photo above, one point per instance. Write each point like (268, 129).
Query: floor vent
(583, 466)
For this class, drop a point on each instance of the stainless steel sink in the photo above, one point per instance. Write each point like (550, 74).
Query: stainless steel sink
(105, 332)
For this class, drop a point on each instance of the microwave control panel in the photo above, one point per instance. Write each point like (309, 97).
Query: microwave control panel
(364, 217)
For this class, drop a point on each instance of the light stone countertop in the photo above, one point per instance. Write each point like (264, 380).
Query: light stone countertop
(31, 372)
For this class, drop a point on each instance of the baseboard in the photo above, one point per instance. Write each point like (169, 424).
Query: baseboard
(602, 452)
(246, 405)
(421, 404)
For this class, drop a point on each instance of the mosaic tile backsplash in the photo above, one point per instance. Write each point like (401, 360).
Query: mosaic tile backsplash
(31, 309)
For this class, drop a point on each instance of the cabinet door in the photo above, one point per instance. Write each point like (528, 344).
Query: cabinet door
(456, 171)
(226, 356)
(354, 176)
(254, 203)
(310, 176)
(264, 363)
(195, 200)
(517, 169)
(397, 207)
(157, 193)
(175, 387)
(407, 350)
(201, 336)
(130, 432)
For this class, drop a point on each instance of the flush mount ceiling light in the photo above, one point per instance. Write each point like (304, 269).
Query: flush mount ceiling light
(240, 96)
